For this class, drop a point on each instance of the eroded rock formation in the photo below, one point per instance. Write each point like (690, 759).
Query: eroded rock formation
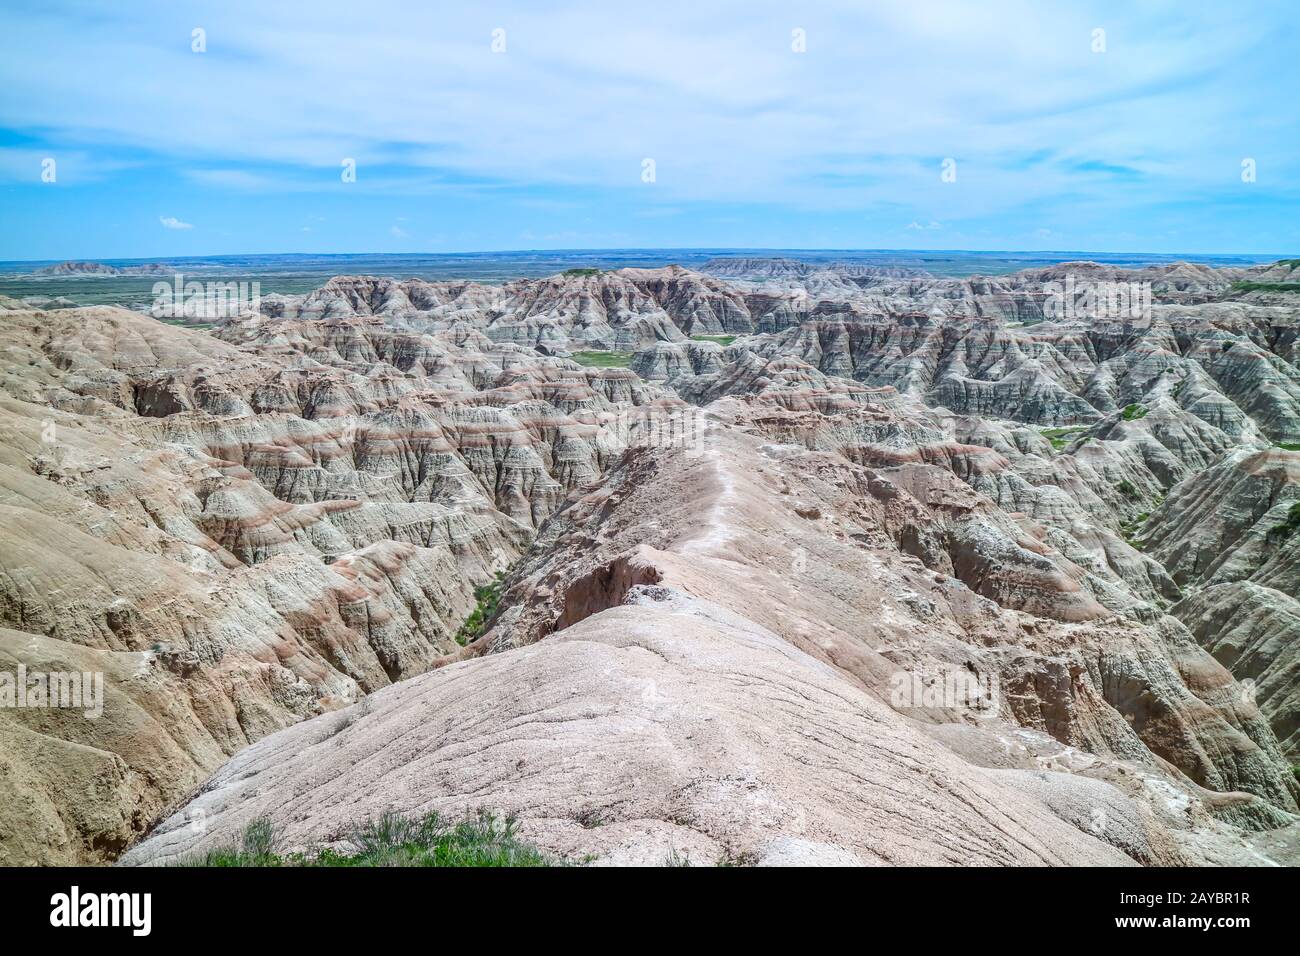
(747, 636)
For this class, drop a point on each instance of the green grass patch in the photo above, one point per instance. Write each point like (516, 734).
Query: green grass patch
(1127, 488)
(393, 840)
(1244, 286)
(603, 359)
(1289, 445)
(1060, 437)
(1289, 526)
(720, 339)
(488, 597)
(1134, 411)
(581, 272)
(257, 848)
(1130, 529)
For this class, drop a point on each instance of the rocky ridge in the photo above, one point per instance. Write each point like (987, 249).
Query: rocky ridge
(888, 477)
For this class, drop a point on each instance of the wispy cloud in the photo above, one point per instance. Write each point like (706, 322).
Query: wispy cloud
(171, 222)
(717, 94)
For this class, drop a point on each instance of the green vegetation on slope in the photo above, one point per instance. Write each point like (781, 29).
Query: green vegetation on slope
(1289, 445)
(488, 597)
(1289, 526)
(581, 272)
(1243, 286)
(1060, 437)
(1134, 412)
(1132, 529)
(393, 840)
(603, 359)
(720, 339)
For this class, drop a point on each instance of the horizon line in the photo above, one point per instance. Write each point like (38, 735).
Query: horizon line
(610, 249)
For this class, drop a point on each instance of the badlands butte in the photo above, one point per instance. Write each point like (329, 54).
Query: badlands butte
(795, 564)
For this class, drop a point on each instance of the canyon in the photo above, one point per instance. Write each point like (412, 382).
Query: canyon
(791, 563)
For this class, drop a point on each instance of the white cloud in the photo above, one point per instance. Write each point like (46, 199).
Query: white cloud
(398, 232)
(72, 167)
(171, 222)
(712, 91)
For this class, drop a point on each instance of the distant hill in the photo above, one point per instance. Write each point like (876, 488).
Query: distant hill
(99, 269)
(761, 268)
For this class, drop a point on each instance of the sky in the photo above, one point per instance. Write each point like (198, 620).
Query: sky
(168, 129)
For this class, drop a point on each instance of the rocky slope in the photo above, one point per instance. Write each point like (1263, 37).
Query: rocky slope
(905, 572)
(612, 310)
(242, 536)
(1231, 535)
(703, 655)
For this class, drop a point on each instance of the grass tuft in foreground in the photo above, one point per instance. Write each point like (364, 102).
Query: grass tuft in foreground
(394, 840)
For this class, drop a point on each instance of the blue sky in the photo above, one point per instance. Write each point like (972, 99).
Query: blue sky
(162, 151)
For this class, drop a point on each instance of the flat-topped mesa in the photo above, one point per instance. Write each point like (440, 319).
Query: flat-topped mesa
(102, 269)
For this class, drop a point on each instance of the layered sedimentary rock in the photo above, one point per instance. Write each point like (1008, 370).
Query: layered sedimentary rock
(1232, 522)
(1251, 630)
(623, 309)
(240, 536)
(1062, 373)
(713, 652)
(911, 570)
(1231, 535)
